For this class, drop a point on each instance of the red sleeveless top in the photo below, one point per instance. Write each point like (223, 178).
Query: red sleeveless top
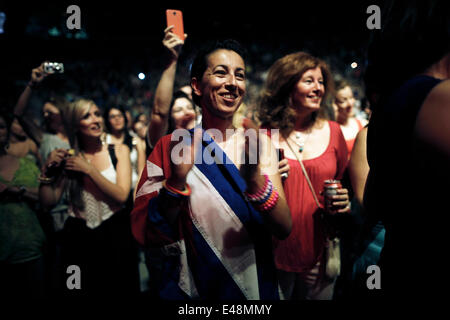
(301, 251)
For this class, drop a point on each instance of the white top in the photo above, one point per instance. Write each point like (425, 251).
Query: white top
(134, 162)
(98, 206)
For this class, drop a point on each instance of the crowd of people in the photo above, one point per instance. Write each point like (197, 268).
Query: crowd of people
(196, 192)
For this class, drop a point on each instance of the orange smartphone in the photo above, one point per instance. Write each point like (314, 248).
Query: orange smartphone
(175, 19)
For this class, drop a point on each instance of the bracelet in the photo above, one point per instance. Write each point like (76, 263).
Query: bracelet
(186, 193)
(261, 193)
(171, 194)
(266, 198)
(45, 180)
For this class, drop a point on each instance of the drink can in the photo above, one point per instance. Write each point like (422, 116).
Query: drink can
(330, 189)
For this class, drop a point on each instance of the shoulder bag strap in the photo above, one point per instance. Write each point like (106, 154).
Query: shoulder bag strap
(305, 174)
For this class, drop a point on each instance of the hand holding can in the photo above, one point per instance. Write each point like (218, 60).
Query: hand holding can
(335, 197)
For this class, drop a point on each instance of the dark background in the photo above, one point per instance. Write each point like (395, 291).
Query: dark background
(126, 35)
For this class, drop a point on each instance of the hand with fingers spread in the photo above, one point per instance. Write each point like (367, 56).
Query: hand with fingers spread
(172, 42)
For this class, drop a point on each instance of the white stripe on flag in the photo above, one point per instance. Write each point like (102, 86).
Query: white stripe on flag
(224, 233)
(155, 176)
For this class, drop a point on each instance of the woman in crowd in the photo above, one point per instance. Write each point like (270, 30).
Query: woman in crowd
(208, 224)
(343, 106)
(408, 146)
(292, 102)
(117, 133)
(97, 235)
(21, 236)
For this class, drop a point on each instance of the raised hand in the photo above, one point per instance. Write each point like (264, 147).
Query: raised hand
(38, 74)
(250, 170)
(182, 155)
(172, 42)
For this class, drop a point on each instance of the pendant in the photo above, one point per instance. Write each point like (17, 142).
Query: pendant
(301, 147)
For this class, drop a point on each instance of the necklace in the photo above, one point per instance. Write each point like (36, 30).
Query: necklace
(301, 141)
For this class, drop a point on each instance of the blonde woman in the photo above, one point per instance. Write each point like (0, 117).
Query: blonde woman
(96, 236)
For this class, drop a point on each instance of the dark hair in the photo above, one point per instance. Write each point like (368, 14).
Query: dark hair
(128, 139)
(201, 60)
(341, 84)
(415, 34)
(61, 104)
(177, 95)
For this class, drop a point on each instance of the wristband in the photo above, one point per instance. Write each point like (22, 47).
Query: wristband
(186, 193)
(45, 180)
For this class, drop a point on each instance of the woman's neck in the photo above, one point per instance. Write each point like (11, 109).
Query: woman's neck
(304, 121)
(343, 120)
(91, 145)
(118, 135)
(440, 70)
(212, 122)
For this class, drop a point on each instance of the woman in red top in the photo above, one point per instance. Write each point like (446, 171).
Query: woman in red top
(292, 102)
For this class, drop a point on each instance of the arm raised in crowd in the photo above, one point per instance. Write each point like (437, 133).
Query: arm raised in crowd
(159, 117)
(32, 130)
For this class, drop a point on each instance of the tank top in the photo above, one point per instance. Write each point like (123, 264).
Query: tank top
(98, 206)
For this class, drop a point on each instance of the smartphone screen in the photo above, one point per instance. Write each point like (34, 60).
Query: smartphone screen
(175, 18)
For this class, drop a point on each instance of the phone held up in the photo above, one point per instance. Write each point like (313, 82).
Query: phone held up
(53, 67)
(175, 19)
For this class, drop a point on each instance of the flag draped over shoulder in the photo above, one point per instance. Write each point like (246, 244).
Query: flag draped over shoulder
(219, 247)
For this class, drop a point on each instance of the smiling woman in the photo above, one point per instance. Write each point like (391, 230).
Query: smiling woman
(292, 101)
(97, 235)
(206, 239)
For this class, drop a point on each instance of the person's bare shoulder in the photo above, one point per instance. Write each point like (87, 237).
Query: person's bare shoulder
(433, 120)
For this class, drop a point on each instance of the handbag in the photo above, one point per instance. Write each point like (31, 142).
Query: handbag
(332, 254)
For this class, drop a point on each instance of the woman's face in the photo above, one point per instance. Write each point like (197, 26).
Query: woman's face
(222, 87)
(183, 114)
(309, 90)
(344, 102)
(91, 123)
(141, 129)
(52, 116)
(143, 118)
(116, 120)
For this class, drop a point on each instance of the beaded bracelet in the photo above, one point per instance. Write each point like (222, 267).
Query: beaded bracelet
(266, 198)
(185, 193)
(260, 194)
